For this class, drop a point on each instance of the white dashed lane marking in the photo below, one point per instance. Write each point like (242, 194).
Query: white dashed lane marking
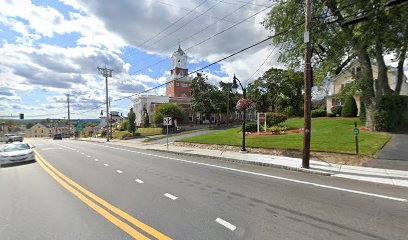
(225, 224)
(96, 159)
(139, 181)
(119, 171)
(105, 164)
(88, 156)
(170, 196)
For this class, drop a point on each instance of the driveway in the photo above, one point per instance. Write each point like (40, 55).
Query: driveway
(394, 155)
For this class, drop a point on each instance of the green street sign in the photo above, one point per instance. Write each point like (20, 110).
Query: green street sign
(79, 126)
(356, 131)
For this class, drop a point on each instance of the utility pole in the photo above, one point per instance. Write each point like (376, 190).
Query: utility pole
(106, 72)
(307, 85)
(69, 117)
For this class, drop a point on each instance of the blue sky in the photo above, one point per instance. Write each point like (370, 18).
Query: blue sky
(52, 48)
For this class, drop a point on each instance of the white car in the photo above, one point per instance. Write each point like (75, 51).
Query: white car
(16, 152)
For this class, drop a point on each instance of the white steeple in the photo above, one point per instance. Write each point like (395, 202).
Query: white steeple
(179, 59)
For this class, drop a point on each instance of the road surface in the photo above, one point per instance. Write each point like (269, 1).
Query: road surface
(84, 190)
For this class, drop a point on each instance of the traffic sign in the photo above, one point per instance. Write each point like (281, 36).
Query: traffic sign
(79, 126)
(356, 131)
(167, 121)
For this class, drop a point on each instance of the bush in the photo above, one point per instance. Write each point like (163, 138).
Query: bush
(331, 114)
(278, 128)
(273, 118)
(362, 114)
(350, 107)
(251, 127)
(390, 112)
(319, 113)
(123, 125)
(336, 110)
(289, 111)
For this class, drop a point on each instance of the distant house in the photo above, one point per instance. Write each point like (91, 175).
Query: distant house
(114, 116)
(42, 130)
(347, 76)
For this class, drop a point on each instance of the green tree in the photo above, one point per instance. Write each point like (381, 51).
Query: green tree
(350, 107)
(131, 121)
(173, 110)
(343, 30)
(202, 96)
(229, 99)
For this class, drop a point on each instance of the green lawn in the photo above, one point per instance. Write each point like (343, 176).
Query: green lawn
(328, 135)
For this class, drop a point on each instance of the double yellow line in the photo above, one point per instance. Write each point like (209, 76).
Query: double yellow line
(87, 197)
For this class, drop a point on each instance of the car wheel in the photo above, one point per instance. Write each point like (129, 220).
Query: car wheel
(21, 140)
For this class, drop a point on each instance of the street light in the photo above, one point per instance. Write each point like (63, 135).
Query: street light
(234, 90)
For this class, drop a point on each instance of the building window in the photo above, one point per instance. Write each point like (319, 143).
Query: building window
(178, 84)
(339, 101)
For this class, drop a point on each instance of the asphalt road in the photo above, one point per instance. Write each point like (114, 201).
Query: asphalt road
(186, 197)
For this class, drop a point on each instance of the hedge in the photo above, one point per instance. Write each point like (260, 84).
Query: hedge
(251, 127)
(273, 118)
(336, 110)
(350, 107)
(389, 112)
(319, 113)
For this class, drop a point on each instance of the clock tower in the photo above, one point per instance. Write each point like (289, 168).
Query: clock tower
(180, 85)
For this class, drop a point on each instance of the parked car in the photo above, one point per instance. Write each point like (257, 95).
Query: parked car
(57, 136)
(5, 137)
(16, 152)
(14, 138)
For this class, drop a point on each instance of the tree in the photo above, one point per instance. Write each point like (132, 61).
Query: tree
(124, 125)
(203, 96)
(343, 30)
(131, 121)
(279, 90)
(350, 107)
(173, 110)
(228, 99)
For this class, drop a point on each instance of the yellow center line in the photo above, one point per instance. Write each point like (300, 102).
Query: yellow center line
(146, 228)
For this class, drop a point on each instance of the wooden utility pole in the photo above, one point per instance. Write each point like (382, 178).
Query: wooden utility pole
(69, 118)
(106, 72)
(307, 85)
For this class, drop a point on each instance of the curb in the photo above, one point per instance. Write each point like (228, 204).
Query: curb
(317, 172)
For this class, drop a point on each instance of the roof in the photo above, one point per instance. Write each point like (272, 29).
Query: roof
(179, 51)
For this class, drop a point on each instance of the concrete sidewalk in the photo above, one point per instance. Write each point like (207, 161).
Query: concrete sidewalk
(377, 175)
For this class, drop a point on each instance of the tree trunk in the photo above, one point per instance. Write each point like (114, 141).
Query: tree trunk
(400, 69)
(382, 86)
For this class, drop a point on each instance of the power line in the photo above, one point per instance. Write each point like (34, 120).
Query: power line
(260, 66)
(207, 39)
(172, 24)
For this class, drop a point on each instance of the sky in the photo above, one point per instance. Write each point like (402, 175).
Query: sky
(49, 49)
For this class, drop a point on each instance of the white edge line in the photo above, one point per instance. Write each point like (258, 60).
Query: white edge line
(226, 224)
(275, 177)
(172, 197)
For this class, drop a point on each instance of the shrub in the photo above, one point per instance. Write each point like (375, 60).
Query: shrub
(336, 110)
(273, 118)
(289, 111)
(319, 113)
(123, 125)
(390, 112)
(278, 128)
(251, 127)
(331, 114)
(362, 113)
(350, 107)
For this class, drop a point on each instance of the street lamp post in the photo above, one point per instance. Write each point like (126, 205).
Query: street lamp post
(235, 88)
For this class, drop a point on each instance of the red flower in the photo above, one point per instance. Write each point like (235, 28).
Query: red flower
(245, 104)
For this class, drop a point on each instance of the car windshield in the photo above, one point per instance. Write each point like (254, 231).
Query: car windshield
(15, 147)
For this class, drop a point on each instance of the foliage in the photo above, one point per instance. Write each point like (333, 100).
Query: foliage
(336, 110)
(124, 125)
(319, 104)
(277, 89)
(319, 113)
(273, 118)
(338, 39)
(203, 95)
(390, 112)
(251, 127)
(350, 107)
(278, 128)
(131, 121)
(325, 132)
(362, 114)
(173, 110)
